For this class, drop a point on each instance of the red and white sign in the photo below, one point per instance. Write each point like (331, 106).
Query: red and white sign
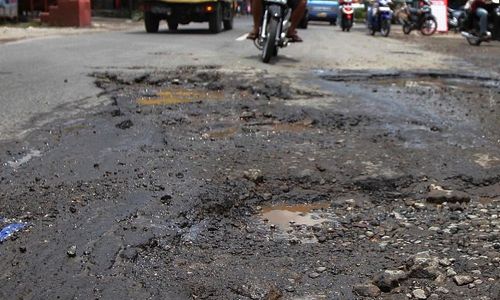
(439, 10)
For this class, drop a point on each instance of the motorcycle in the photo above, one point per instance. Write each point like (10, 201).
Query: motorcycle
(275, 24)
(420, 19)
(346, 15)
(471, 28)
(456, 18)
(381, 17)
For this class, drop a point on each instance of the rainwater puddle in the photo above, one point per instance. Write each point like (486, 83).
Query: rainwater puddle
(221, 134)
(486, 160)
(14, 164)
(434, 80)
(293, 127)
(180, 96)
(284, 215)
(437, 83)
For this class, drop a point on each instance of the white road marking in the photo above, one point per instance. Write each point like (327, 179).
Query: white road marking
(242, 38)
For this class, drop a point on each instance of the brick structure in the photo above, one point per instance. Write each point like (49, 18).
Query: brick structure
(74, 13)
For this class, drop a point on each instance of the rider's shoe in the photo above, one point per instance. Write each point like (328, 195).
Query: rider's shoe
(293, 37)
(486, 35)
(252, 36)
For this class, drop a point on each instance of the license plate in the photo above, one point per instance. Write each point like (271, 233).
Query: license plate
(322, 8)
(161, 10)
(322, 15)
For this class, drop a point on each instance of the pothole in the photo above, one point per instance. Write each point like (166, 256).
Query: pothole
(15, 164)
(433, 76)
(180, 95)
(298, 223)
(428, 79)
(286, 216)
(221, 133)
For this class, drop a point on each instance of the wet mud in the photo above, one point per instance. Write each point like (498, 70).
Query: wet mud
(206, 183)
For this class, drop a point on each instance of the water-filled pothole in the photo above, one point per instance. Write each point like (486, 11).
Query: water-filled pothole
(285, 216)
(180, 95)
(434, 79)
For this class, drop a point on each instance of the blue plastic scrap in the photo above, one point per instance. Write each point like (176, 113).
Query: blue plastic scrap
(10, 229)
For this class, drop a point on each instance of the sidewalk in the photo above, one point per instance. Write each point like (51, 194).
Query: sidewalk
(16, 32)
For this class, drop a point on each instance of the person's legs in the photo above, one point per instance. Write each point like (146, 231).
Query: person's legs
(369, 17)
(297, 15)
(257, 16)
(483, 20)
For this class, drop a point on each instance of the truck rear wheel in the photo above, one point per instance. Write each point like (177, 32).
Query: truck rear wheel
(215, 20)
(152, 22)
(229, 15)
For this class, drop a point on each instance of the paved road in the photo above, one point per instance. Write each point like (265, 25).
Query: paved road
(40, 77)
(162, 202)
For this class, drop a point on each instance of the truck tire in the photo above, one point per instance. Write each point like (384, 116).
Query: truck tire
(152, 22)
(172, 24)
(215, 20)
(228, 23)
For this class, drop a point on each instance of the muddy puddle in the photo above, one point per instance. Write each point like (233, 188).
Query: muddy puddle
(438, 83)
(284, 216)
(180, 95)
(16, 163)
(434, 80)
(221, 133)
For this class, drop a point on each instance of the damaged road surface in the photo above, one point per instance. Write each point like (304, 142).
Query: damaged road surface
(209, 183)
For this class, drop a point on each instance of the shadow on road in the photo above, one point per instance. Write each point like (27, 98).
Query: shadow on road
(178, 32)
(281, 58)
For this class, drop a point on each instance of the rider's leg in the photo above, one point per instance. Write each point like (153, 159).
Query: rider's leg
(298, 11)
(257, 17)
(369, 16)
(482, 14)
(298, 14)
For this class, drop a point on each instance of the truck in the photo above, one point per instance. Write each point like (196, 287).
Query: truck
(218, 13)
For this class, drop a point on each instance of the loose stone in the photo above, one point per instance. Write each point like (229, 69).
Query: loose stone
(71, 251)
(463, 279)
(419, 294)
(389, 279)
(442, 290)
(366, 290)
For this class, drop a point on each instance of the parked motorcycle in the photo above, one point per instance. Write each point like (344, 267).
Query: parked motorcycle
(456, 18)
(380, 17)
(346, 15)
(275, 24)
(471, 28)
(420, 19)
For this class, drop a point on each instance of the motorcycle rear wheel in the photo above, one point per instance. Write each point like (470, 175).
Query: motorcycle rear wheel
(406, 28)
(429, 26)
(385, 28)
(270, 42)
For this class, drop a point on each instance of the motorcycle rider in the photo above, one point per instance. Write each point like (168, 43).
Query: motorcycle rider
(478, 8)
(373, 9)
(342, 3)
(298, 9)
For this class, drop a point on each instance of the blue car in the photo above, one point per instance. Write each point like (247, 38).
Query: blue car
(323, 10)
